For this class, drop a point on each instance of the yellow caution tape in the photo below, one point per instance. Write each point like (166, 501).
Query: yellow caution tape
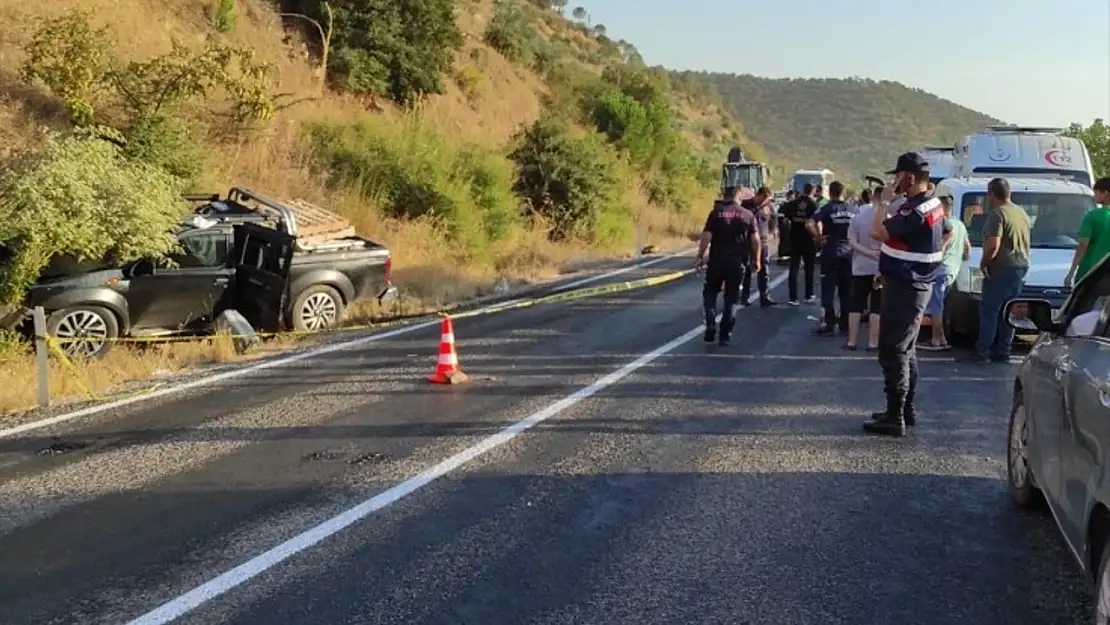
(565, 296)
(79, 379)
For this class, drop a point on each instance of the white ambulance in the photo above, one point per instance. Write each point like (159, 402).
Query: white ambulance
(940, 162)
(1023, 151)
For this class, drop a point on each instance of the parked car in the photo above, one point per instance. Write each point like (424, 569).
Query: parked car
(145, 298)
(1059, 432)
(1056, 209)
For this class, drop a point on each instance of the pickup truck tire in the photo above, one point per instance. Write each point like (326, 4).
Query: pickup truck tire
(319, 307)
(94, 325)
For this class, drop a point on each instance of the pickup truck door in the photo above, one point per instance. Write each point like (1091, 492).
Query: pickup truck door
(263, 257)
(188, 295)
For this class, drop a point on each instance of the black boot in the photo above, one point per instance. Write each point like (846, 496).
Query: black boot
(726, 332)
(710, 334)
(909, 415)
(889, 423)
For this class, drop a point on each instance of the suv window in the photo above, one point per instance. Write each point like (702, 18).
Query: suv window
(203, 249)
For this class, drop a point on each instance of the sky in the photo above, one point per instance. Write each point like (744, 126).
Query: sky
(1029, 62)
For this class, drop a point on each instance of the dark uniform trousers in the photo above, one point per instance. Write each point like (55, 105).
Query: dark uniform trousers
(800, 257)
(836, 283)
(903, 305)
(761, 275)
(730, 275)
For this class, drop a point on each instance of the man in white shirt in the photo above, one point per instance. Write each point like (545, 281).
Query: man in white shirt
(865, 269)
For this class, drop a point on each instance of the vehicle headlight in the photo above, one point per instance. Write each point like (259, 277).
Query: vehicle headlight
(975, 282)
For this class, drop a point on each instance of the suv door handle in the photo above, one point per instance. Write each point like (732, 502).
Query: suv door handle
(221, 281)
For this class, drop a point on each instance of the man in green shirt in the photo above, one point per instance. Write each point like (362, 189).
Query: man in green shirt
(1004, 265)
(1094, 236)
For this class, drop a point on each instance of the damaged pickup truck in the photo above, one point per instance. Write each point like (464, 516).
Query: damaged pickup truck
(282, 265)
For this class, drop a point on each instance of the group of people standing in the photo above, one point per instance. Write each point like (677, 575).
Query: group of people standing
(851, 284)
(891, 257)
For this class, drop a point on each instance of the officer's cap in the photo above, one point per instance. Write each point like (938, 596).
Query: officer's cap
(910, 162)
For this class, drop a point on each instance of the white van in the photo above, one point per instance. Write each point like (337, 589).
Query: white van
(1056, 209)
(1027, 152)
(940, 162)
(815, 177)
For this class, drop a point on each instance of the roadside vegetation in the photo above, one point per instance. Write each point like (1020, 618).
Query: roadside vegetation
(481, 141)
(1096, 137)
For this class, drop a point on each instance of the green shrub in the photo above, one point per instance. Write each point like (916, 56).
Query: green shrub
(223, 18)
(69, 56)
(72, 59)
(412, 172)
(166, 142)
(642, 131)
(510, 33)
(677, 181)
(574, 183)
(81, 196)
(571, 88)
(401, 50)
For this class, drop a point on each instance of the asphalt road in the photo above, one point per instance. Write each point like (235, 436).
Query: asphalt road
(697, 484)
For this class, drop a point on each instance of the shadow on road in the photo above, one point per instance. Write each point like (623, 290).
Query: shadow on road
(637, 548)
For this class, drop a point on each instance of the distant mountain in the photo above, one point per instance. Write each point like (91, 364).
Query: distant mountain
(851, 126)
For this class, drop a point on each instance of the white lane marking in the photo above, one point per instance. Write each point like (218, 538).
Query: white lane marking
(278, 362)
(852, 378)
(191, 600)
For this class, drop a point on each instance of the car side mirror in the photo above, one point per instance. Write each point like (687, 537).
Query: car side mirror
(141, 267)
(1031, 314)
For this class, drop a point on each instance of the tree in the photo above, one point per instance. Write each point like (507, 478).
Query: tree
(397, 49)
(69, 55)
(600, 30)
(571, 182)
(1097, 139)
(79, 196)
(579, 13)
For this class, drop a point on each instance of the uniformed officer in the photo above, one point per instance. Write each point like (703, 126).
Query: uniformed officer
(732, 237)
(911, 229)
(767, 225)
(830, 225)
(796, 214)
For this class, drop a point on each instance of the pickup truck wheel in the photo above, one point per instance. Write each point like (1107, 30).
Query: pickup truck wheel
(318, 308)
(89, 330)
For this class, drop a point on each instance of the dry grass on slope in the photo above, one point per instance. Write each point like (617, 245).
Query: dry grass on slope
(487, 101)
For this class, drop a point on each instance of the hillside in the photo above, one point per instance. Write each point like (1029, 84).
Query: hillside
(851, 126)
(481, 140)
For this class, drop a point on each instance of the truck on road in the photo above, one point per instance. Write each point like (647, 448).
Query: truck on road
(329, 268)
(748, 176)
(815, 177)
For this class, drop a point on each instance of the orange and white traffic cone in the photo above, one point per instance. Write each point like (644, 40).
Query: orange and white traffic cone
(447, 365)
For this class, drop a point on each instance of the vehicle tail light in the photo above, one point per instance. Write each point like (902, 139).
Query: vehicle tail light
(389, 268)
